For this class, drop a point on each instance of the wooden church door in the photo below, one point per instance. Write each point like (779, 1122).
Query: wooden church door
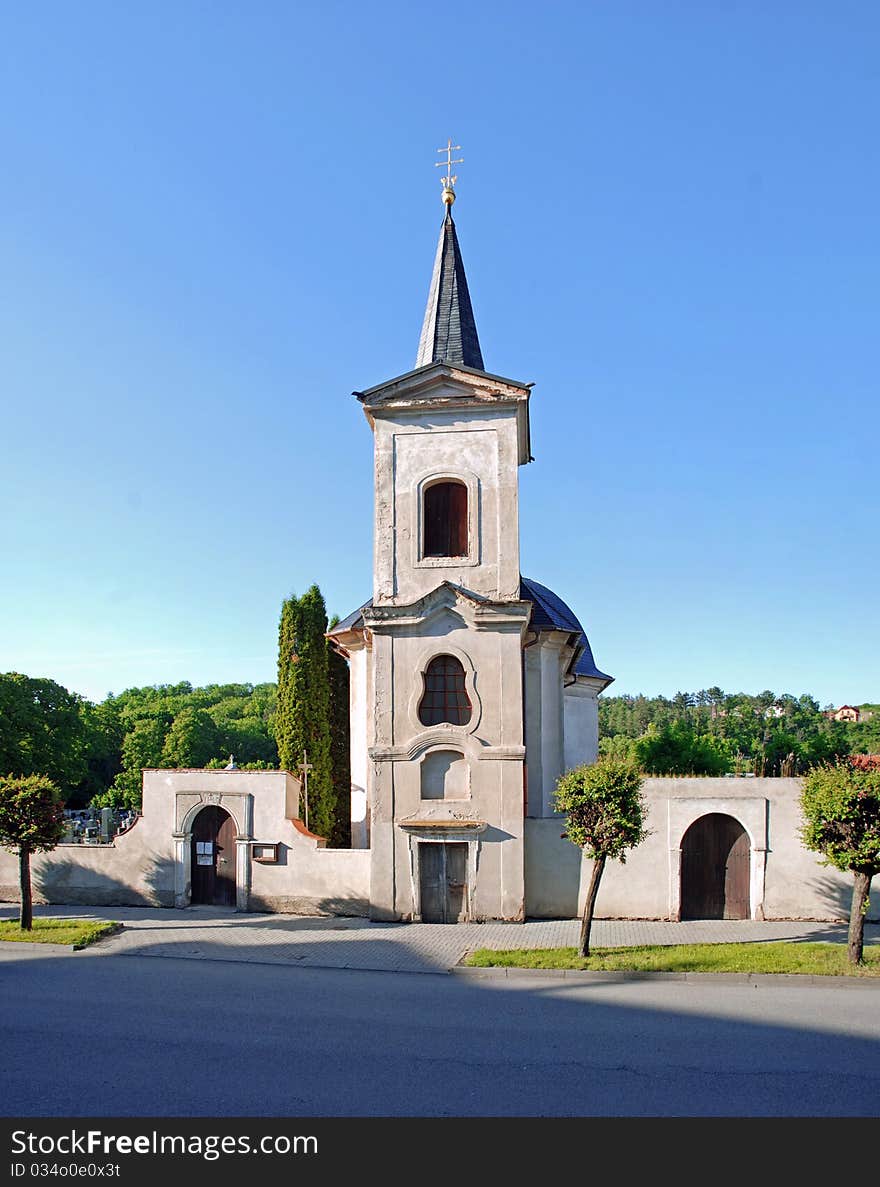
(213, 858)
(443, 882)
(715, 869)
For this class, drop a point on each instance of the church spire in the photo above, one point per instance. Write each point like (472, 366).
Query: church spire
(449, 332)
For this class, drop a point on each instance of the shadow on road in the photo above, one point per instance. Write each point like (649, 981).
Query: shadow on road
(127, 1036)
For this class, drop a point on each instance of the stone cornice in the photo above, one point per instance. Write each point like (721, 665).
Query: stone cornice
(476, 612)
(480, 385)
(442, 826)
(443, 385)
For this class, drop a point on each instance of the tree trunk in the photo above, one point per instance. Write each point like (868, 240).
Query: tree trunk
(589, 906)
(859, 906)
(26, 917)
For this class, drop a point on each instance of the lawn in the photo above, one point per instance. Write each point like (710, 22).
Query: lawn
(78, 933)
(779, 957)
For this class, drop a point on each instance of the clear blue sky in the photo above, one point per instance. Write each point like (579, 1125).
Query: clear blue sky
(219, 219)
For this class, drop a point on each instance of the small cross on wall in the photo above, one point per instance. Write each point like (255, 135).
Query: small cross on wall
(305, 766)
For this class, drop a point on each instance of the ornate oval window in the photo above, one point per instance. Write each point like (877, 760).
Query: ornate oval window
(445, 699)
(445, 520)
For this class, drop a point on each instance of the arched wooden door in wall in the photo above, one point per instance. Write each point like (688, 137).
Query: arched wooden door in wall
(213, 858)
(715, 869)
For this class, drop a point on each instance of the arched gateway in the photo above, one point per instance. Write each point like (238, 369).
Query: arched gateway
(715, 869)
(213, 858)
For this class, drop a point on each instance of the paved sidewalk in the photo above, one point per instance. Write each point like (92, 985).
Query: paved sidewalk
(209, 933)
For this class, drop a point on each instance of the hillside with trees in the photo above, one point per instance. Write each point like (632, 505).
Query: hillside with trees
(716, 733)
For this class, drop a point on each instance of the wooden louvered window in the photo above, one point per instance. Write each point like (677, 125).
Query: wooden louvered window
(445, 698)
(446, 520)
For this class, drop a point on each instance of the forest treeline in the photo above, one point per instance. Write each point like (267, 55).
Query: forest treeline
(95, 752)
(716, 733)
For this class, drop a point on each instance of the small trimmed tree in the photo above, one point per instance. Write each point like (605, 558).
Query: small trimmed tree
(605, 817)
(31, 821)
(841, 809)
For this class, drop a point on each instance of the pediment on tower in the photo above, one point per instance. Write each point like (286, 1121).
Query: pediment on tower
(450, 385)
(452, 603)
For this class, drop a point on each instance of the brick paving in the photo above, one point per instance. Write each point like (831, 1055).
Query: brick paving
(205, 933)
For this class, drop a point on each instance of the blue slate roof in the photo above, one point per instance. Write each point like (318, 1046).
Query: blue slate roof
(550, 613)
(352, 622)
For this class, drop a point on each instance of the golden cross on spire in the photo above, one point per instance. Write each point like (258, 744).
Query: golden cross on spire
(450, 179)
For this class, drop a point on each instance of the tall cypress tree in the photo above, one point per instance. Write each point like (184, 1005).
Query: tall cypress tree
(340, 754)
(302, 720)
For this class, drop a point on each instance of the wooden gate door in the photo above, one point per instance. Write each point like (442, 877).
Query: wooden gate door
(213, 858)
(737, 878)
(715, 867)
(443, 882)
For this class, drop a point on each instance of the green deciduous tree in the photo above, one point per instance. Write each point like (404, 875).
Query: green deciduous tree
(41, 729)
(104, 733)
(841, 809)
(243, 715)
(604, 817)
(141, 748)
(192, 741)
(619, 746)
(302, 718)
(31, 821)
(676, 749)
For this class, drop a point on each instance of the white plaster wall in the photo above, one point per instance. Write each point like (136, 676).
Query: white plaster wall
(533, 728)
(309, 878)
(796, 885)
(136, 870)
(143, 866)
(581, 724)
(359, 699)
(130, 872)
(479, 446)
(562, 721)
(551, 736)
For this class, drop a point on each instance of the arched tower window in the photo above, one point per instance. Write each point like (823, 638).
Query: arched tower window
(446, 519)
(445, 698)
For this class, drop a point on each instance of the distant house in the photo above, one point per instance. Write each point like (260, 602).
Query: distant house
(845, 713)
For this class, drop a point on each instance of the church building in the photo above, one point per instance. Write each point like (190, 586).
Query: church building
(472, 687)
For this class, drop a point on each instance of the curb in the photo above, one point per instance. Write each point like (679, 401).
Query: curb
(40, 945)
(31, 946)
(584, 976)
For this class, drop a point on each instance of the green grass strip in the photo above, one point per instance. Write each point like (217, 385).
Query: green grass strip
(78, 933)
(811, 959)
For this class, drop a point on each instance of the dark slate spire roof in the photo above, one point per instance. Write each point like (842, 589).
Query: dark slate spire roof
(449, 332)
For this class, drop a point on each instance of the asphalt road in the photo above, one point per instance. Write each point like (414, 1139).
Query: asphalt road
(84, 1035)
